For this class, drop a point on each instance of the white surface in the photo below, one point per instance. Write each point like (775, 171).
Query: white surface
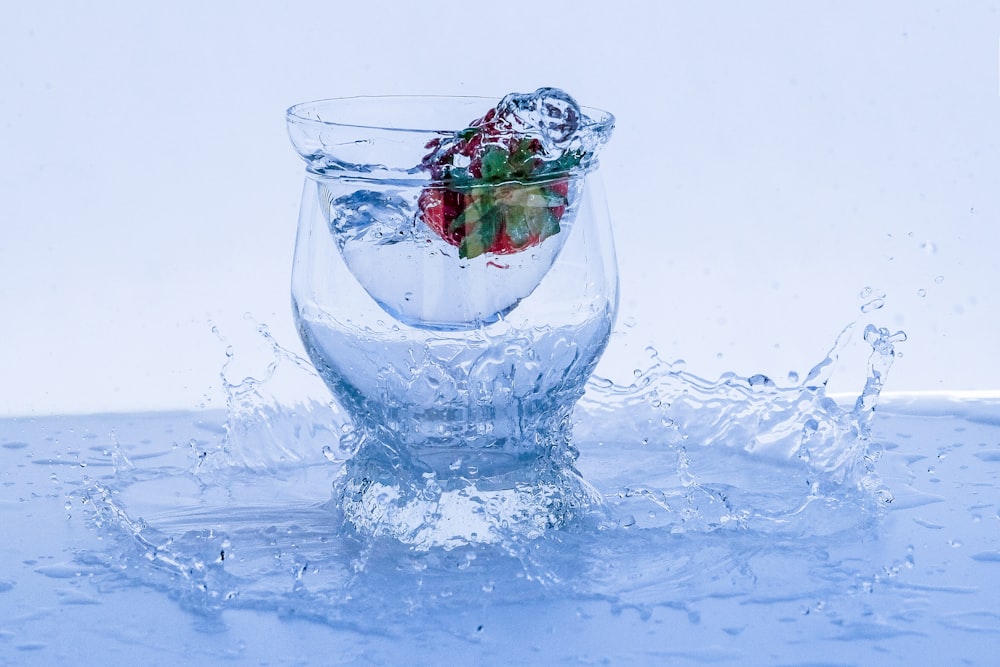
(771, 160)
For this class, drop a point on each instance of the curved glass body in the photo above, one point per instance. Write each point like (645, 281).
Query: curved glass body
(459, 370)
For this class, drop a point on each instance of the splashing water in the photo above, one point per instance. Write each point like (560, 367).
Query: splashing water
(690, 478)
(781, 458)
(548, 117)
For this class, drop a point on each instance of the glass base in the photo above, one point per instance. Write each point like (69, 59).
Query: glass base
(479, 498)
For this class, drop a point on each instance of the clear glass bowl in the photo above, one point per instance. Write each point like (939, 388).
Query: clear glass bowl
(460, 374)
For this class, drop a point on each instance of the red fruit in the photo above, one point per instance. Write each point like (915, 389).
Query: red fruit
(495, 191)
(439, 208)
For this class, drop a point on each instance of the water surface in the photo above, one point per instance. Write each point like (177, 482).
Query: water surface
(741, 521)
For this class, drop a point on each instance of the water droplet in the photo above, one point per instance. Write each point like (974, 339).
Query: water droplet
(874, 304)
(921, 293)
(793, 376)
(938, 280)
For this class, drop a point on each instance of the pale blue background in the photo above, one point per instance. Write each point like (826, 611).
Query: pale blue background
(771, 160)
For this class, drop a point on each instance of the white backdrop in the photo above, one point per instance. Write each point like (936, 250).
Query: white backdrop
(771, 161)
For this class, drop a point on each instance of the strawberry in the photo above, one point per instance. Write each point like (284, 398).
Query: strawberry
(495, 189)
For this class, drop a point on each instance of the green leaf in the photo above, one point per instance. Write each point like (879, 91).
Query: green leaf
(494, 165)
(522, 160)
(459, 174)
(517, 227)
(550, 225)
(489, 226)
(534, 218)
(479, 235)
(458, 223)
(553, 198)
(467, 218)
(566, 162)
(470, 247)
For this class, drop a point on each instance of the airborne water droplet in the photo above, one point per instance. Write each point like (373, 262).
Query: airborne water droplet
(874, 304)
(760, 380)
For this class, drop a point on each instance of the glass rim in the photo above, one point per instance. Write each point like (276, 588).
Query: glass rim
(597, 119)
